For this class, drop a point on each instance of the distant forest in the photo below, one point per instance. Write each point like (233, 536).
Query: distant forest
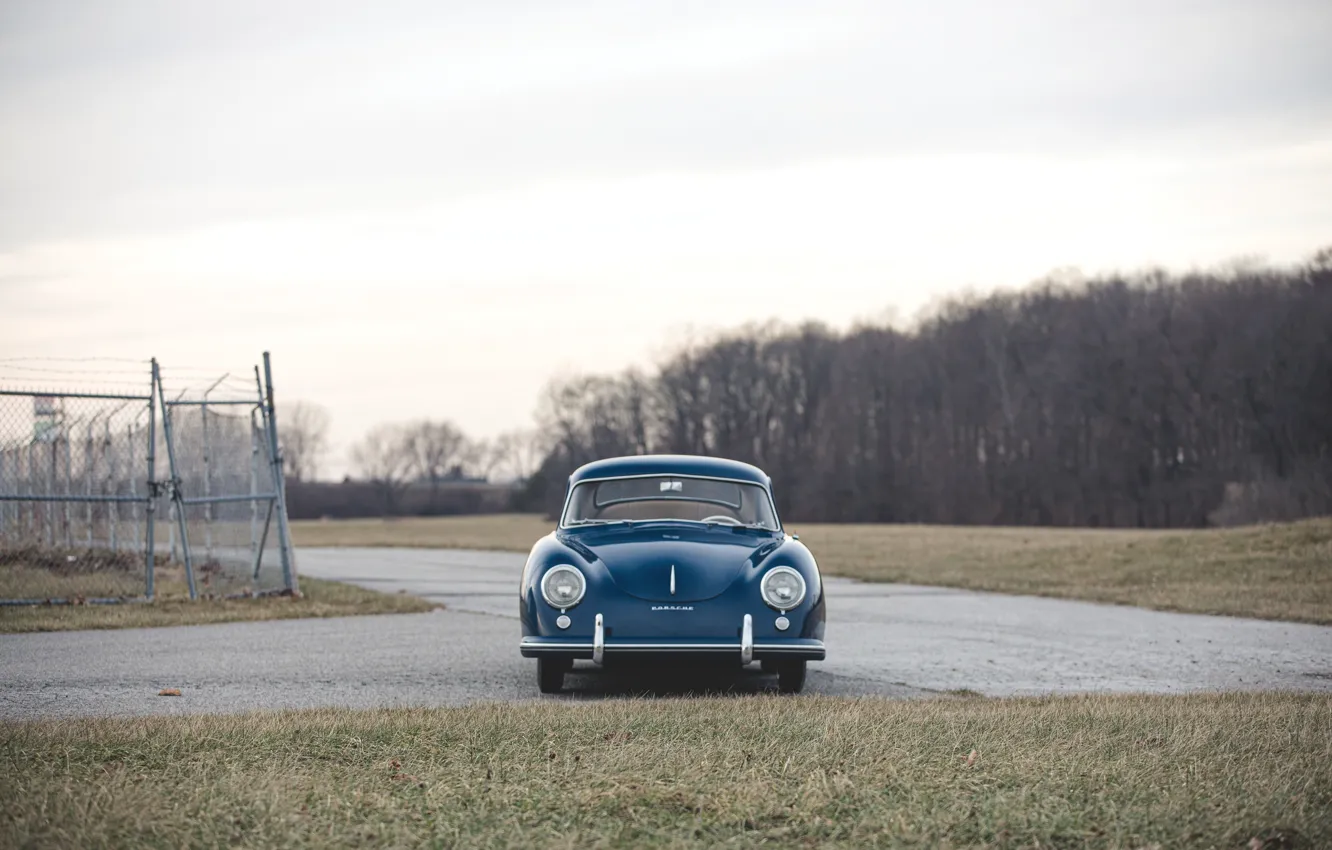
(1150, 400)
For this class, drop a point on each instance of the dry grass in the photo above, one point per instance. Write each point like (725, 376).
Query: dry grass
(503, 532)
(173, 607)
(23, 580)
(1279, 572)
(1087, 772)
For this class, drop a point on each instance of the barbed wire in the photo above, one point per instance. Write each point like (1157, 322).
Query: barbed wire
(211, 376)
(54, 375)
(76, 360)
(25, 384)
(195, 393)
(57, 371)
(189, 373)
(206, 370)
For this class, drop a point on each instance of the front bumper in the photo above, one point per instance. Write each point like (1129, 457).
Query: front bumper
(745, 649)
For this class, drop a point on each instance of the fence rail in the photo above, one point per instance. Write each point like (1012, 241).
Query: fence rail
(81, 494)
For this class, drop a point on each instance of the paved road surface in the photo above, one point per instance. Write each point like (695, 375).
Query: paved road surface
(891, 640)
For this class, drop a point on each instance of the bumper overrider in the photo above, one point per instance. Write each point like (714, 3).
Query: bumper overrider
(746, 649)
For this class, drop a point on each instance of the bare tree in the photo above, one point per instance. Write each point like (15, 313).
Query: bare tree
(384, 458)
(436, 451)
(514, 455)
(476, 459)
(303, 435)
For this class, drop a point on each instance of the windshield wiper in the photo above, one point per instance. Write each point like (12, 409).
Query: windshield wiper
(715, 524)
(600, 522)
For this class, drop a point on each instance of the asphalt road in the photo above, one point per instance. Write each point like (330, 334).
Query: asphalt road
(889, 640)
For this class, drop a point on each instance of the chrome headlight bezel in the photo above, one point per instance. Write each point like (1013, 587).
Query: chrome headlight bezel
(554, 571)
(787, 604)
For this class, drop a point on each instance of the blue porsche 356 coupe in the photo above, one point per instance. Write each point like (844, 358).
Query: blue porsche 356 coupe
(671, 557)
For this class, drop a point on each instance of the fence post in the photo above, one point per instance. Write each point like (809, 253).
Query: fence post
(279, 484)
(254, 489)
(36, 513)
(208, 472)
(48, 481)
(69, 489)
(151, 507)
(29, 482)
(129, 473)
(113, 511)
(175, 490)
(207, 482)
(88, 482)
(262, 441)
(52, 476)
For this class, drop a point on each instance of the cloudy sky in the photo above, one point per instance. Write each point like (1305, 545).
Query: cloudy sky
(428, 208)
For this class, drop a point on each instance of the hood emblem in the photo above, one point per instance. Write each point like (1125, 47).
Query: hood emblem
(672, 579)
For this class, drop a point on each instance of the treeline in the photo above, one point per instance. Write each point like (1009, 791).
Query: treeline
(350, 498)
(427, 467)
(1154, 400)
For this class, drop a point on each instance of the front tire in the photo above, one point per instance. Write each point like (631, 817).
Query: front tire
(550, 674)
(791, 676)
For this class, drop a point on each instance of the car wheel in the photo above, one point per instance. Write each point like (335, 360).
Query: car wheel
(791, 676)
(768, 665)
(550, 674)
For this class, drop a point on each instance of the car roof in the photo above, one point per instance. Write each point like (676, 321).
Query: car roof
(695, 465)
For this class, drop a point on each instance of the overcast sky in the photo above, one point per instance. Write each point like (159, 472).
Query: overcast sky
(429, 209)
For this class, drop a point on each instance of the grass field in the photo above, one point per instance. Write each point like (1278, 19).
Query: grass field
(503, 532)
(1087, 772)
(174, 608)
(1280, 572)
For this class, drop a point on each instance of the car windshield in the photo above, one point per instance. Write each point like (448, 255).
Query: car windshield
(670, 497)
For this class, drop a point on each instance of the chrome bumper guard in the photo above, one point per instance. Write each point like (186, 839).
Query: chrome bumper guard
(599, 642)
(598, 648)
(747, 640)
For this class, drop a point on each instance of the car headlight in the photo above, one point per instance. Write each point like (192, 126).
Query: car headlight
(563, 586)
(783, 588)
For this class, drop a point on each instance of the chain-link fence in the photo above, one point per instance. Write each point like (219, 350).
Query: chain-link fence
(115, 494)
(74, 495)
(228, 517)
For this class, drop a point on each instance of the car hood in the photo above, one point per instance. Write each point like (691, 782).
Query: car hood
(705, 561)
